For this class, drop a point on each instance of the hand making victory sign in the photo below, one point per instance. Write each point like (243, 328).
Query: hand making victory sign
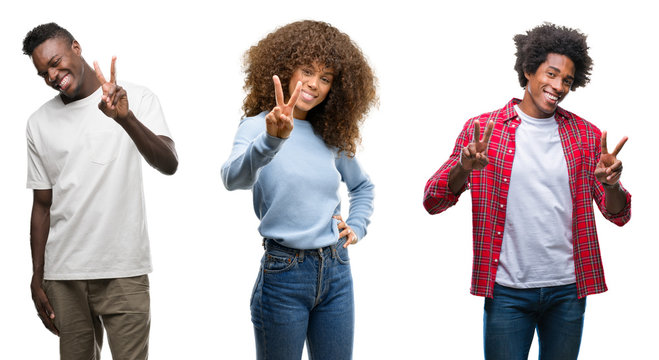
(474, 155)
(114, 102)
(609, 168)
(279, 121)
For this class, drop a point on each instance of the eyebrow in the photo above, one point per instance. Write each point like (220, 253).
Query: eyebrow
(559, 71)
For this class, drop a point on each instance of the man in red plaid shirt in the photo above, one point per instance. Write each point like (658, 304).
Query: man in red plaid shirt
(534, 176)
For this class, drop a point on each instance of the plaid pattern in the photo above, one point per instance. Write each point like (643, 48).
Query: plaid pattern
(489, 191)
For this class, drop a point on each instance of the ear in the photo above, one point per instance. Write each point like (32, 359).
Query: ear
(75, 47)
(527, 75)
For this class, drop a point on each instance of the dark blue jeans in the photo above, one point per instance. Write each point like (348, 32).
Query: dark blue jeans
(303, 295)
(513, 315)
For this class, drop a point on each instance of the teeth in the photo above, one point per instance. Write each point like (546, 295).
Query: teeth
(64, 81)
(551, 97)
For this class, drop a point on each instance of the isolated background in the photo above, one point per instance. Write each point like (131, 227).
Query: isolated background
(438, 64)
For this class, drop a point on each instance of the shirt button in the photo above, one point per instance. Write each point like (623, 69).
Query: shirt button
(496, 261)
(501, 206)
(498, 232)
(505, 180)
(510, 151)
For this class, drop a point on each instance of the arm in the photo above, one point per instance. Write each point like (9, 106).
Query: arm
(444, 188)
(158, 151)
(254, 148)
(361, 194)
(39, 228)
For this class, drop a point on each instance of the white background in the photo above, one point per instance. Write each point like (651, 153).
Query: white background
(437, 64)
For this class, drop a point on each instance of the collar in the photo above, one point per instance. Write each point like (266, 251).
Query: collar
(508, 113)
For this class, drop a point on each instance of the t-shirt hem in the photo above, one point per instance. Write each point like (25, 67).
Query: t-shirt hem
(98, 275)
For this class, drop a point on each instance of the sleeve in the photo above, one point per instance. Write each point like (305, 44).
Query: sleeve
(149, 112)
(360, 193)
(253, 148)
(37, 176)
(437, 195)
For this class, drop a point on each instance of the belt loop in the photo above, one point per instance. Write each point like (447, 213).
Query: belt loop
(300, 256)
(334, 251)
(263, 244)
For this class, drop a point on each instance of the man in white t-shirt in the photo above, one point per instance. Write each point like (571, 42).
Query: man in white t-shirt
(90, 247)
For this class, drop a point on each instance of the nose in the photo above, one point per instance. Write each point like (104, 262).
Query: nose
(52, 75)
(312, 82)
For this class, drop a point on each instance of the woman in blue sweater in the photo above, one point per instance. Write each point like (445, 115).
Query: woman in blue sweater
(293, 148)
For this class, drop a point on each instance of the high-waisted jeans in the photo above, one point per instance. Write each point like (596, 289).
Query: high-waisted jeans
(303, 295)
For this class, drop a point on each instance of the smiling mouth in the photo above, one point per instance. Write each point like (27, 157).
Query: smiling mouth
(64, 82)
(306, 96)
(552, 98)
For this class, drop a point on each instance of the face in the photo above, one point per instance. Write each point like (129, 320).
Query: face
(548, 86)
(316, 83)
(60, 65)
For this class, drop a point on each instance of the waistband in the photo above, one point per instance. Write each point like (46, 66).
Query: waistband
(301, 253)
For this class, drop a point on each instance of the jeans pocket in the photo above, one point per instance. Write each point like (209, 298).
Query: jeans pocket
(342, 253)
(278, 261)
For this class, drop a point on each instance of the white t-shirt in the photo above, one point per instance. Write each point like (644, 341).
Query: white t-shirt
(537, 240)
(97, 217)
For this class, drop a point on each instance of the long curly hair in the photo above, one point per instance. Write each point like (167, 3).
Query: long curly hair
(353, 92)
(533, 47)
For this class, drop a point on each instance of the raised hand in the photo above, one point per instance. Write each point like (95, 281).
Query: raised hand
(279, 121)
(114, 101)
(609, 168)
(474, 155)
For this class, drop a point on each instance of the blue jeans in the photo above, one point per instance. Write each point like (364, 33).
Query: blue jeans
(303, 295)
(513, 315)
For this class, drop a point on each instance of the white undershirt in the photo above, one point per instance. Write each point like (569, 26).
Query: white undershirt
(537, 240)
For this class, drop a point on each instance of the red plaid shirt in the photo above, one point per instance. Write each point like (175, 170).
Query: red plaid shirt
(489, 192)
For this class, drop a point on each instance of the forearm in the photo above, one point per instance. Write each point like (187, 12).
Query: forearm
(39, 229)
(615, 198)
(247, 158)
(457, 177)
(158, 151)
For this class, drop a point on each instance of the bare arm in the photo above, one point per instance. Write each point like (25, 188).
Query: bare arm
(157, 150)
(39, 228)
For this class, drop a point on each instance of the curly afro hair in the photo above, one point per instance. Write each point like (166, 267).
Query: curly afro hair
(532, 50)
(43, 32)
(336, 120)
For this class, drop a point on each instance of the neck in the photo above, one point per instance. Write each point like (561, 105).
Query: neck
(89, 84)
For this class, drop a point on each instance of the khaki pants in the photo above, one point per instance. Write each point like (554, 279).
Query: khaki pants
(84, 307)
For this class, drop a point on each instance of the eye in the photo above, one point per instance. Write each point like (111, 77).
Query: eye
(326, 80)
(550, 74)
(306, 71)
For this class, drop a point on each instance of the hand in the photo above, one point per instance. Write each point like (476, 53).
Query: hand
(279, 121)
(346, 231)
(474, 155)
(44, 310)
(609, 168)
(114, 101)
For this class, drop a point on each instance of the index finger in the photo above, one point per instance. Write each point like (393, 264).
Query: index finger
(295, 95)
(603, 143)
(113, 78)
(619, 146)
(99, 73)
(279, 93)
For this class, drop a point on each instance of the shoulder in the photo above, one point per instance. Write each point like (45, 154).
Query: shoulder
(576, 121)
(41, 114)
